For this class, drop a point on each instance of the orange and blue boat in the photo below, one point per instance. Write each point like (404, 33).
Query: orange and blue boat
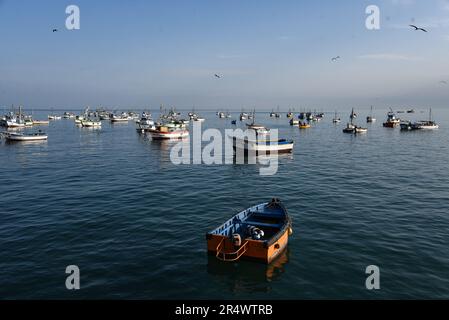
(258, 233)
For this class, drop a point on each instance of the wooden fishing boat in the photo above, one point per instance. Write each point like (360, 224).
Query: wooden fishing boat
(38, 136)
(162, 132)
(258, 233)
(392, 121)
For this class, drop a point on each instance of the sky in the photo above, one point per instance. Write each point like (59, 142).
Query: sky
(143, 53)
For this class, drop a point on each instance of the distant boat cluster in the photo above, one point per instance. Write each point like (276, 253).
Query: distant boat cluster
(171, 124)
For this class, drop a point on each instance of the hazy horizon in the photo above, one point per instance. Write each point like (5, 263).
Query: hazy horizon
(267, 53)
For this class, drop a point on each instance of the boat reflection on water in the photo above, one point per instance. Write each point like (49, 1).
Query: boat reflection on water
(247, 276)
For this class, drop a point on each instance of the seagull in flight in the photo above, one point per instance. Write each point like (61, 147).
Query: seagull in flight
(443, 82)
(334, 59)
(417, 28)
(217, 76)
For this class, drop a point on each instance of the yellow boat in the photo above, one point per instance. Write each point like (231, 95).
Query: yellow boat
(304, 126)
(259, 233)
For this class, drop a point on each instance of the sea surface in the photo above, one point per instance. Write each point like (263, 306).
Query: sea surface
(111, 202)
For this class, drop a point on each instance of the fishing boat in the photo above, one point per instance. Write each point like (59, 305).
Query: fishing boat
(336, 119)
(145, 123)
(119, 118)
(304, 125)
(428, 124)
(351, 127)
(411, 111)
(259, 233)
(38, 136)
(68, 115)
(164, 132)
(392, 121)
(89, 123)
(13, 120)
(294, 122)
(409, 126)
(262, 146)
(371, 118)
(40, 122)
(79, 119)
(260, 130)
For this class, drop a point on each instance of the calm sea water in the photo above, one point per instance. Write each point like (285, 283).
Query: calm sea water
(111, 202)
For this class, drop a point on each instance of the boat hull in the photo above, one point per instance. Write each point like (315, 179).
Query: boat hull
(261, 149)
(157, 135)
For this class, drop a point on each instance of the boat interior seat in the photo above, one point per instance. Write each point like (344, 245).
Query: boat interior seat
(261, 224)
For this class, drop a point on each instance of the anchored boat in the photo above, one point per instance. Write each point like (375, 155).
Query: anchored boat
(392, 121)
(262, 147)
(38, 136)
(259, 233)
(162, 132)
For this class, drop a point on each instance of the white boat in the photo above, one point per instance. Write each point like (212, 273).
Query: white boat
(294, 122)
(54, 117)
(120, 118)
(38, 136)
(146, 123)
(336, 119)
(262, 147)
(163, 132)
(40, 122)
(351, 127)
(428, 124)
(79, 119)
(91, 123)
(13, 120)
(260, 130)
(371, 118)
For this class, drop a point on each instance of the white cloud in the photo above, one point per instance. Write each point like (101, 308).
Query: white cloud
(389, 57)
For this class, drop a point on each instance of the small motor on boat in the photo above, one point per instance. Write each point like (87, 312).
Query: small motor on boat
(255, 233)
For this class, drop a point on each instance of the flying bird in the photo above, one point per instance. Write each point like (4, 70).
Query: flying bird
(443, 82)
(55, 30)
(217, 76)
(335, 58)
(417, 28)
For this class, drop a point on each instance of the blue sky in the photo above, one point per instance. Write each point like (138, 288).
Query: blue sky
(144, 53)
